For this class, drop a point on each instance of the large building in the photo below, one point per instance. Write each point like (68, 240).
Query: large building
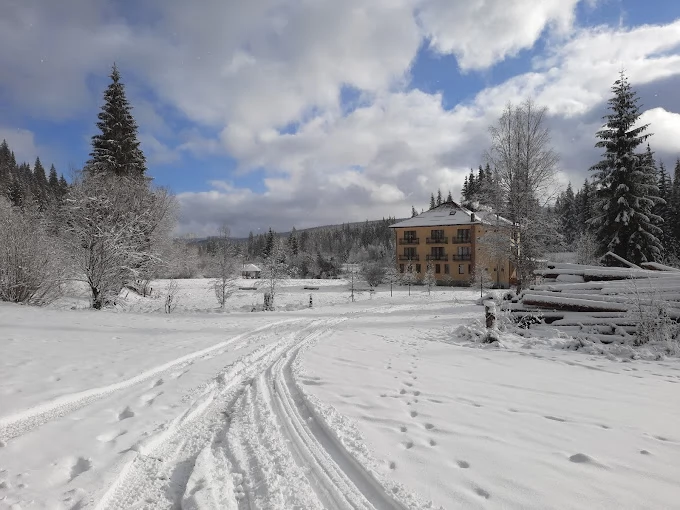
(452, 239)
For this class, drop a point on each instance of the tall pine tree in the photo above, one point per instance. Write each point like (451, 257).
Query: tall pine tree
(626, 183)
(116, 149)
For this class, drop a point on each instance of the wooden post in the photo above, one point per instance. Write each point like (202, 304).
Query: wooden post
(490, 313)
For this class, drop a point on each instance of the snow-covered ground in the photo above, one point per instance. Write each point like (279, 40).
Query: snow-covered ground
(372, 404)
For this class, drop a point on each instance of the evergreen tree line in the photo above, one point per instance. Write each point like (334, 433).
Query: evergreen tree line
(321, 251)
(23, 185)
(108, 229)
(575, 210)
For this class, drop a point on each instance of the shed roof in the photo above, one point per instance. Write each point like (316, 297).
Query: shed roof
(250, 268)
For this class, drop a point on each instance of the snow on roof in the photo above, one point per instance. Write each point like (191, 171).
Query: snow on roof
(250, 267)
(450, 213)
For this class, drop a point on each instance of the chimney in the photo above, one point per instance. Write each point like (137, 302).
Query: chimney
(473, 217)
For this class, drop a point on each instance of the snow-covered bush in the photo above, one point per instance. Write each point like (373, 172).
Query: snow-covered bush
(31, 268)
(652, 317)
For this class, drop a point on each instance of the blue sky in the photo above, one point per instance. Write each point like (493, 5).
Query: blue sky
(283, 113)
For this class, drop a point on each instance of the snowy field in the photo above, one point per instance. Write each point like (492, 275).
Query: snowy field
(376, 404)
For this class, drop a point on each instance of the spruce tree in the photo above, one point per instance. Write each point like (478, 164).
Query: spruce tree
(432, 202)
(414, 213)
(675, 205)
(626, 183)
(116, 149)
(465, 192)
(439, 197)
(449, 198)
(568, 215)
(53, 181)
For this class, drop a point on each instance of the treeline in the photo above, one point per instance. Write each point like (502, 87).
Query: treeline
(318, 252)
(23, 185)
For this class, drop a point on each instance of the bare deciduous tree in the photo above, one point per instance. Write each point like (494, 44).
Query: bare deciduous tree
(224, 267)
(373, 273)
(31, 262)
(112, 228)
(410, 276)
(274, 270)
(392, 276)
(429, 278)
(480, 277)
(525, 167)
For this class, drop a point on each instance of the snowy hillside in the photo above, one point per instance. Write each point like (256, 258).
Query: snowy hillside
(376, 404)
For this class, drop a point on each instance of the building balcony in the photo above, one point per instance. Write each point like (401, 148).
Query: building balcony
(465, 256)
(461, 240)
(409, 240)
(441, 257)
(437, 240)
(409, 257)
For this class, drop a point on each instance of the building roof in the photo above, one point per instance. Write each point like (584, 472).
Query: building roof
(450, 213)
(250, 268)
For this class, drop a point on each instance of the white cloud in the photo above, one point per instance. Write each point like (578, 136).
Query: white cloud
(483, 32)
(665, 130)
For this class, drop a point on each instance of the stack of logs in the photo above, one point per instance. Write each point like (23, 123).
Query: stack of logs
(601, 303)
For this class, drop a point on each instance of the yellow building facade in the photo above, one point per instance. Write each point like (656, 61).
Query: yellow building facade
(451, 239)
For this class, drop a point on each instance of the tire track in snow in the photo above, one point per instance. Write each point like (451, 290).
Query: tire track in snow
(333, 468)
(24, 421)
(161, 472)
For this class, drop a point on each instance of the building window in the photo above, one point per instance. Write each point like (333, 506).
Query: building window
(463, 236)
(469, 268)
(437, 268)
(417, 268)
(410, 235)
(401, 268)
(461, 268)
(446, 269)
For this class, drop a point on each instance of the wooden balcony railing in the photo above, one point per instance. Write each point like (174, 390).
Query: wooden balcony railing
(409, 240)
(443, 257)
(437, 240)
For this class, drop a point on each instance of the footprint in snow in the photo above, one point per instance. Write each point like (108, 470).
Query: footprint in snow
(407, 444)
(403, 428)
(429, 426)
(408, 384)
(393, 465)
(432, 442)
(413, 414)
(125, 414)
(416, 393)
(481, 492)
(554, 418)
(463, 464)
(158, 383)
(581, 458)
(645, 452)
(81, 465)
(402, 391)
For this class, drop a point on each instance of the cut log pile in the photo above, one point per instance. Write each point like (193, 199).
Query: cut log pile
(601, 303)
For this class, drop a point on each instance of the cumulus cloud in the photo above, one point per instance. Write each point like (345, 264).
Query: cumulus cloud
(483, 32)
(665, 128)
